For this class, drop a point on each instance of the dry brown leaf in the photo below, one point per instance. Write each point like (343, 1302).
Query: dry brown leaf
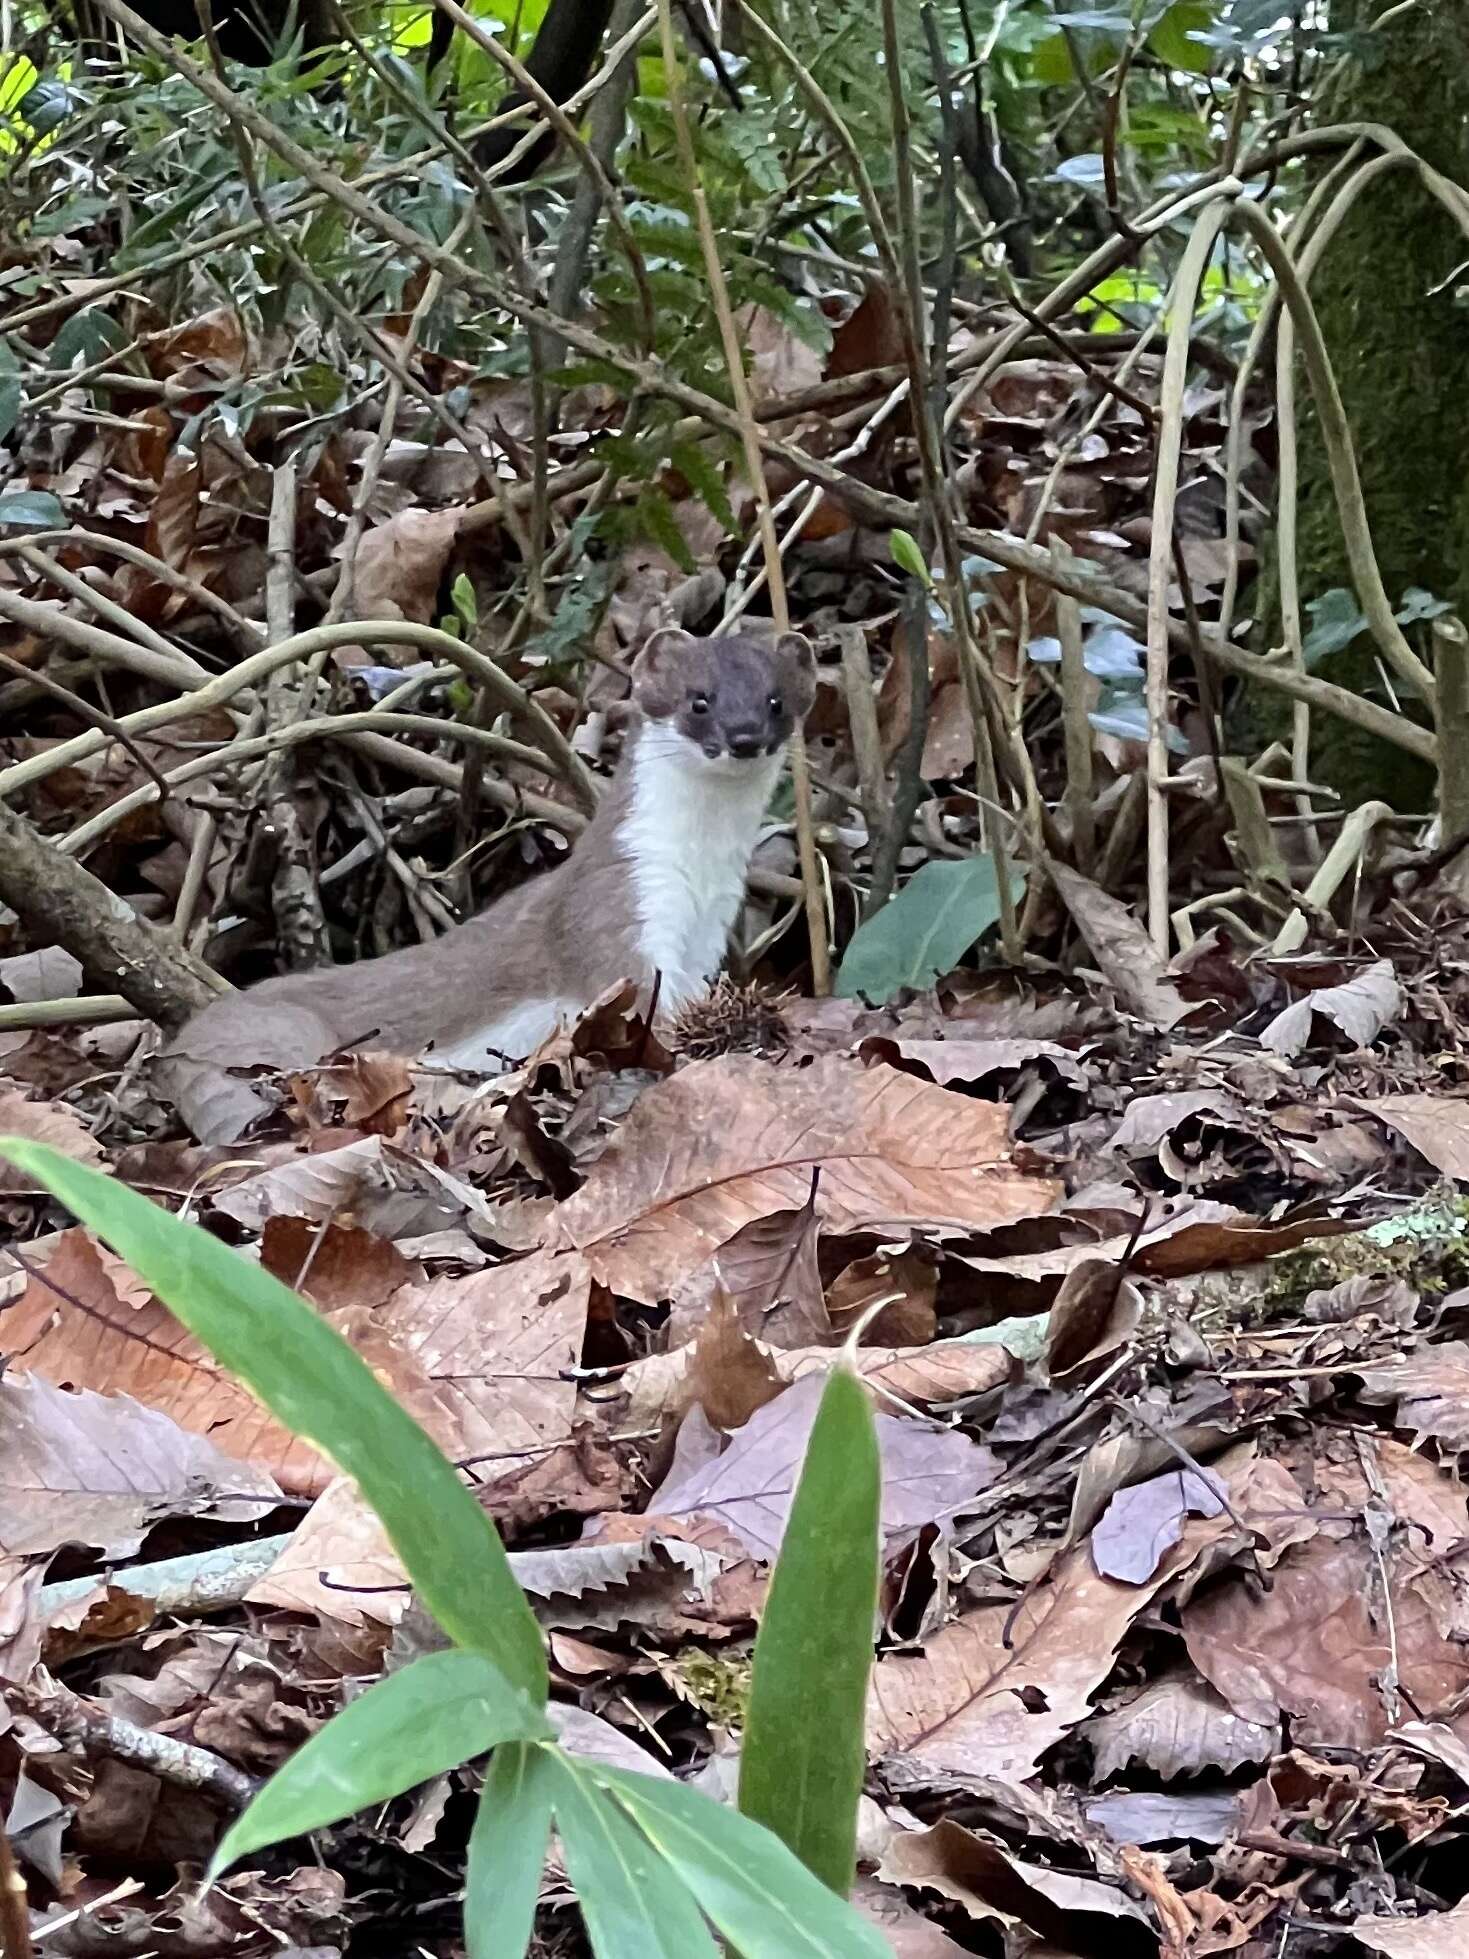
(1437, 1126)
(1177, 1726)
(1095, 1312)
(96, 1469)
(993, 1691)
(909, 1320)
(991, 1883)
(1121, 948)
(1148, 1119)
(726, 1141)
(1431, 1389)
(1360, 1007)
(335, 1266)
(926, 1474)
(922, 1377)
(769, 1270)
(1438, 1935)
(399, 568)
(964, 1059)
(98, 1332)
(497, 1346)
(1319, 1644)
(43, 1122)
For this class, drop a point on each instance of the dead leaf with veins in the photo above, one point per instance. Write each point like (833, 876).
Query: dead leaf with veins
(724, 1142)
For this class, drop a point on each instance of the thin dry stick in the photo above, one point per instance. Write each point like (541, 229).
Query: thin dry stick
(1337, 865)
(1078, 731)
(328, 727)
(590, 162)
(1336, 434)
(882, 508)
(862, 718)
(734, 360)
(476, 666)
(94, 716)
(1160, 557)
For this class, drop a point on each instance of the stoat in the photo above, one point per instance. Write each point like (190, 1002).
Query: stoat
(652, 888)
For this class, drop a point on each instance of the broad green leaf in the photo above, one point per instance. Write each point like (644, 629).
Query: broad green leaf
(764, 1900)
(36, 509)
(634, 1903)
(313, 1382)
(908, 557)
(164, 223)
(803, 1757)
(1336, 620)
(1172, 39)
(11, 398)
(436, 1713)
(507, 1852)
(925, 930)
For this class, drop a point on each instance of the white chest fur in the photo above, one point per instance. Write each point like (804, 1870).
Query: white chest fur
(691, 827)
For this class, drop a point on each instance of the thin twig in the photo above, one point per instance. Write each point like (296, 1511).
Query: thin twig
(811, 881)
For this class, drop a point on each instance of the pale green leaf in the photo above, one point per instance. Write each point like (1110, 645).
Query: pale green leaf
(924, 931)
(803, 1758)
(314, 1383)
(420, 1722)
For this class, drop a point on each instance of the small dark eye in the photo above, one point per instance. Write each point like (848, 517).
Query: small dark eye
(700, 704)
(775, 703)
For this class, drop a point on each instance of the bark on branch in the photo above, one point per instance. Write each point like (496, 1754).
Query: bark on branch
(60, 902)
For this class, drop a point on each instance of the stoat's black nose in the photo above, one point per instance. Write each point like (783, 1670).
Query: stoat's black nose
(745, 746)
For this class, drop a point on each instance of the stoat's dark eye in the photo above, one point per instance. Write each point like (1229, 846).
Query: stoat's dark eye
(775, 703)
(700, 704)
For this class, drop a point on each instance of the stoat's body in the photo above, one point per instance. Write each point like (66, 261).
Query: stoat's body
(652, 887)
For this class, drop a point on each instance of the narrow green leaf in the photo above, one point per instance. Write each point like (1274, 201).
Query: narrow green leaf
(764, 1900)
(635, 1905)
(803, 1757)
(924, 931)
(507, 1852)
(430, 1717)
(313, 1382)
(908, 557)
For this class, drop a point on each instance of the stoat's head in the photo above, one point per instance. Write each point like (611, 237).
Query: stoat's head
(730, 702)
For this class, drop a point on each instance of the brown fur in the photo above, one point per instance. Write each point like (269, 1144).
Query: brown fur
(569, 933)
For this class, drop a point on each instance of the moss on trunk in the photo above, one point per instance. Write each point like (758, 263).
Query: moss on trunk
(1398, 335)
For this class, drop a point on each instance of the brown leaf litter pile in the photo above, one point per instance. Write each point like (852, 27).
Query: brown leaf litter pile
(1168, 1339)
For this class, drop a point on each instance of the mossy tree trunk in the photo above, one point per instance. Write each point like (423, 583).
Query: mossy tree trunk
(1387, 295)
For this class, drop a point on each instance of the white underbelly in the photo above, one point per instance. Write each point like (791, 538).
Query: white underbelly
(504, 1042)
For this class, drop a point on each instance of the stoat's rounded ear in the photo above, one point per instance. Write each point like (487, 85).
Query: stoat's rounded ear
(798, 672)
(663, 653)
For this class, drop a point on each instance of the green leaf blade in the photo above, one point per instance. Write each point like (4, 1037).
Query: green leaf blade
(634, 1903)
(507, 1853)
(924, 931)
(312, 1381)
(763, 1900)
(430, 1717)
(803, 1758)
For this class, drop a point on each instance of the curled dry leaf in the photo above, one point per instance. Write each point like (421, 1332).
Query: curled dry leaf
(1177, 1726)
(769, 1271)
(1097, 1310)
(1436, 1935)
(926, 1473)
(994, 1690)
(43, 1122)
(1142, 1524)
(99, 1469)
(990, 1883)
(1437, 1126)
(399, 568)
(1360, 1007)
(727, 1141)
(1121, 948)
